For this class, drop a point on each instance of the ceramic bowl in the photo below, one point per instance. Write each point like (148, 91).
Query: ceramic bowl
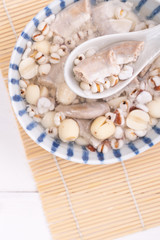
(149, 9)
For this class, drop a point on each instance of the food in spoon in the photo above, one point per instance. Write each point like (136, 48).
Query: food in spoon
(97, 124)
(107, 67)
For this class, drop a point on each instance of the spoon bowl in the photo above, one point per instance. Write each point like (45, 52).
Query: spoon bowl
(151, 39)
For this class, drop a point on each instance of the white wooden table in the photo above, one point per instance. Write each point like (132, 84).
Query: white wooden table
(21, 214)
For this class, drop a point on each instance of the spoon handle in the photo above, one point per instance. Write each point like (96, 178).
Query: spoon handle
(154, 33)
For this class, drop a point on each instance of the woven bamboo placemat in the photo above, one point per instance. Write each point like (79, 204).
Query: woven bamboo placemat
(80, 201)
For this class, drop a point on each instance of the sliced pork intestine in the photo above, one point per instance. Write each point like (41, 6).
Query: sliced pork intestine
(84, 110)
(128, 51)
(103, 18)
(107, 61)
(111, 26)
(100, 65)
(72, 18)
(55, 76)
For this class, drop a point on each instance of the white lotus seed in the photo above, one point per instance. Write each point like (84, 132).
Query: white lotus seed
(32, 94)
(43, 47)
(48, 120)
(64, 95)
(154, 108)
(44, 69)
(28, 68)
(101, 128)
(138, 120)
(68, 130)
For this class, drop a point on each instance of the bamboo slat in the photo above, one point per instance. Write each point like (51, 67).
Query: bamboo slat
(98, 204)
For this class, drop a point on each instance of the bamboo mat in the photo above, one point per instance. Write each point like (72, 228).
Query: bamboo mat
(81, 201)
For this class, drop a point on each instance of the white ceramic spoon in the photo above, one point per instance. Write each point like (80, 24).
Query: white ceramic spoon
(151, 38)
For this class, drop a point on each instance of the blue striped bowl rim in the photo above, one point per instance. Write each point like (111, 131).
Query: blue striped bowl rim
(150, 10)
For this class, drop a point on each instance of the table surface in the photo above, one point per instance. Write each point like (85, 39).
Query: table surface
(21, 214)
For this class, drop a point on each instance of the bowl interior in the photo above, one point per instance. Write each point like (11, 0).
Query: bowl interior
(71, 151)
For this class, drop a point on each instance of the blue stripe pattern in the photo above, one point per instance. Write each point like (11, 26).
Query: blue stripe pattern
(25, 36)
(19, 50)
(41, 137)
(62, 4)
(70, 150)
(154, 13)
(133, 148)
(148, 141)
(14, 81)
(55, 145)
(22, 112)
(156, 129)
(85, 154)
(48, 11)
(117, 154)
(36, 22)
(17, 98)
(100, 156)
(14, 66)
(140, 5)
(31, 125)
